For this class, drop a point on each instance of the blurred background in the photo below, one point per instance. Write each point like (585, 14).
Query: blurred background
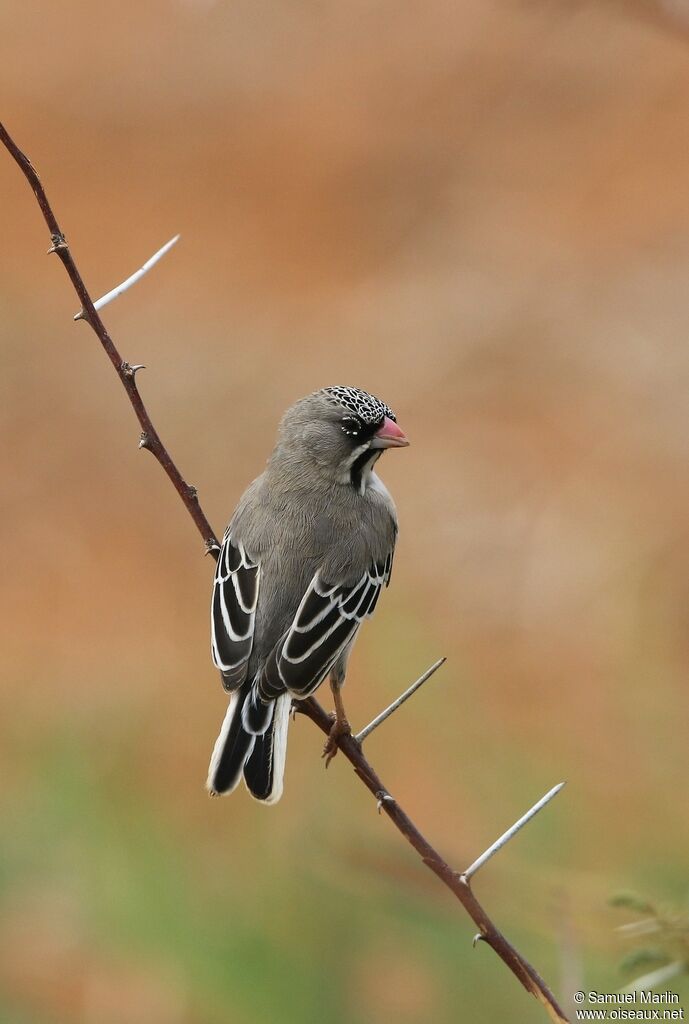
(480, 212)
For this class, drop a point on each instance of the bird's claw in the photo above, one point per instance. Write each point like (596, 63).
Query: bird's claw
(338, 729)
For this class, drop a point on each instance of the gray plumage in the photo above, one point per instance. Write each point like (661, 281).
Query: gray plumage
(302, 563)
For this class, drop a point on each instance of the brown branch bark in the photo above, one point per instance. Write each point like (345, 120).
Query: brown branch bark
(454, 880)
(350, 748)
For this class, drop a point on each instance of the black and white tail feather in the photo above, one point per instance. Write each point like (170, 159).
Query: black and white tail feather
(253, 740)
(259, 757)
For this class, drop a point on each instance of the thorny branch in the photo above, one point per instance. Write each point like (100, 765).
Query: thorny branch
(458, 883)
(126, 373)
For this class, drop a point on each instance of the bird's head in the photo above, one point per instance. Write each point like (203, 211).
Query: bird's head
(343, 430)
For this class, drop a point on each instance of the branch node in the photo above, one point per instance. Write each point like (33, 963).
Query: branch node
(127, 369)
(192, 493)
(144, 441)
(383, 798)
(59, 242)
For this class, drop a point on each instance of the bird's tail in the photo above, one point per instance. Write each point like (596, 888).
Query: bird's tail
(253, 743)
(265, 767)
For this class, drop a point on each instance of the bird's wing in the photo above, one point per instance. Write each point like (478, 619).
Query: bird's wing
(233, 611)
(325, 623)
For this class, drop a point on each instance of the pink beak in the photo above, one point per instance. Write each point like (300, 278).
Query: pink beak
(389, 436)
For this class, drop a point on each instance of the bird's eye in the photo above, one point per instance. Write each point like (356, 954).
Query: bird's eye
(351, 426)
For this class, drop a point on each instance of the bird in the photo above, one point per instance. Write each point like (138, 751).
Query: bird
(301, 565)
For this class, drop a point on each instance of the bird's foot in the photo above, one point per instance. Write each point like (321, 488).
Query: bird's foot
(339, 728)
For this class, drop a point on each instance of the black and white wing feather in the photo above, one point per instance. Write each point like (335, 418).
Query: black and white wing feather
(325, 624)
(233, 611)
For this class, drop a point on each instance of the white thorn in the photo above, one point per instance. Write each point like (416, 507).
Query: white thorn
(105, 299)
(634, 928)
(657, 977)
(379, 719)
(506, 836)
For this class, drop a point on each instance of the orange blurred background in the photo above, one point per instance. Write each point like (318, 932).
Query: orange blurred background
(480, 213)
